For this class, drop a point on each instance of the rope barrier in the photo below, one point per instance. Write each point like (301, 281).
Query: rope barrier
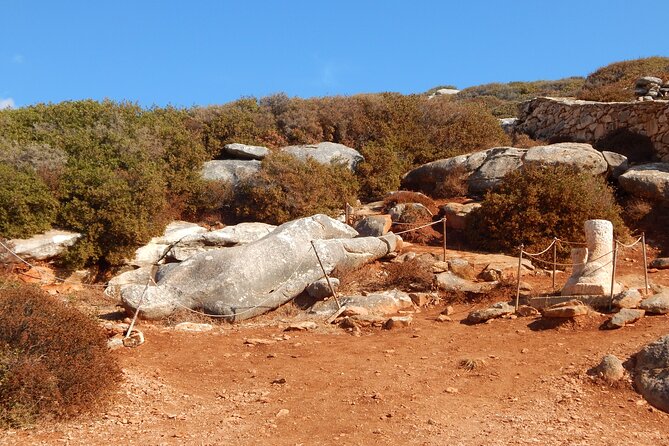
(542, 252)
(420, 227)
(631, 245)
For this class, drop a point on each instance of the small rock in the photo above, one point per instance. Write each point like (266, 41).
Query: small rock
(282, 413)
(527, 311)
(373, 225)
(398, 322)
(259, 341)
(525, 350)
(353, 310)
(451, 390)
(624, 317)
(462, 268)
(320, 289)
(443, 318)
(610, 368)
(627, 299)
(193, 327)
(448, 310)
(657, 304)
(422, 299)
(567, 309)
(491, 275)
(302, 326)
(439, 267)
(498, 309)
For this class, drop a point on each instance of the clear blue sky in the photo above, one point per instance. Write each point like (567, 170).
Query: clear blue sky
(206, 52)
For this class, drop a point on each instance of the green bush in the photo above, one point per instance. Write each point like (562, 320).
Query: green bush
(380, 172)
(286, 189)
(54, 360)
(615, 82)
(27, 207)
(535, 204)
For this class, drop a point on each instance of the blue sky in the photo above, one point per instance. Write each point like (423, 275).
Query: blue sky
(207, 52)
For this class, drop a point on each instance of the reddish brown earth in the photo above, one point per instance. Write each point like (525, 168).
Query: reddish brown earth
(403, 386)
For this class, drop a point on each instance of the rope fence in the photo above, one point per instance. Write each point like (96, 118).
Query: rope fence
(617, 246)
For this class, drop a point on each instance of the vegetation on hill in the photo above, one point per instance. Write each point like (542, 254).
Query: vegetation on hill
(54, 360)
(615, 82)
(502, 99)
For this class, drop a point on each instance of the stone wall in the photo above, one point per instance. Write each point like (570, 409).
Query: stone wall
(585, 121)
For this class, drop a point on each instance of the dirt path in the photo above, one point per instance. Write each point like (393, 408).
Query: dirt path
(384, 387)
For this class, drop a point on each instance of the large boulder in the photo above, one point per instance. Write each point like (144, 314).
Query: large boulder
(657, 304)
(230, 171)
(44, 246)
(581, 156)
(326, 153)
(647, 181)
(484, 170)
(374, 225)
(248, 280)
(457, 214)
(156, 249)
(246, 152)
(651, 373)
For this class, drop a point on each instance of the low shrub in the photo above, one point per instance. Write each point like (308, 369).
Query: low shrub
(27, 206)
(535, 204)
(54, 360)
(381, 170)
(415, 225)
(412, 275)
(404, 196)
(286, 188)
(454, 184)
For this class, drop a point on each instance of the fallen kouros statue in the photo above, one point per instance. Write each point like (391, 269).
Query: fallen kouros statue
(245, 281)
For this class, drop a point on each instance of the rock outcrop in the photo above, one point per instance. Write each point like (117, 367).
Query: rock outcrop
(588, 122)
(230, 171)
(244, 281)
(647, 180)
(651, 373)
(246, 152)
(485, 170)
(326, 153)
(44, 246)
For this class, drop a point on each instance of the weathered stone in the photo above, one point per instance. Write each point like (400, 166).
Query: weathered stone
(352, 311)
(657, 304)
(423, 299)
(457, 214)
(373, 225)
(527, 311)
(448, 281)
(651, 373)
(660, 263)
(381, 303)
(610, 369)
(244, 281)
(624, 317)
(498, 163)
(627, 299)
(398, 322)
(193, 327)
(568, 309)
(397, 212)
(302, 326)
(579, 156)
(496, 310)
(647, 181)
(326, 153)
(595, 276)
(244, 151)
(617, 163)
(461, 268)
(320, 288)
(230, 171)
(156, 249)
(44, 246)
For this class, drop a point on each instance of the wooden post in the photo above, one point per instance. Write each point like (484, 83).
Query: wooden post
(645, 261)
(347, 213)
(327, 279)
(613, 273)
(444, 226)
(554, 260)
(520, 264)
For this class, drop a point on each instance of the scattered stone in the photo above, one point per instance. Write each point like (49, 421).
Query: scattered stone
(610, 369)
(449, 310)
(423, 299)
(657, 304)
(491, 274)
(353, 311)
(321, 290)
(571, 308)
(439, 267)
(457, 215)
(498, 309)
(381, 303)
(660, 263)
(450, 282)
(527, 311)
(193, 327)
(282, 413)
(461, 268)
(373, 225)
(624, 317)
(443, 318)
(398, 322)
(259, 341)
(417, 210)
(627, 299)
(451, 390)
(302, 326)
(244, 151)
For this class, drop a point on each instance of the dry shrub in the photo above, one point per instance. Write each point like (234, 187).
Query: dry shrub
(535, 204)
(637, 209)
(414, 221)
(410, 197)
(454, 184)
(414, 275)
(54, 360)
(523, 141)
